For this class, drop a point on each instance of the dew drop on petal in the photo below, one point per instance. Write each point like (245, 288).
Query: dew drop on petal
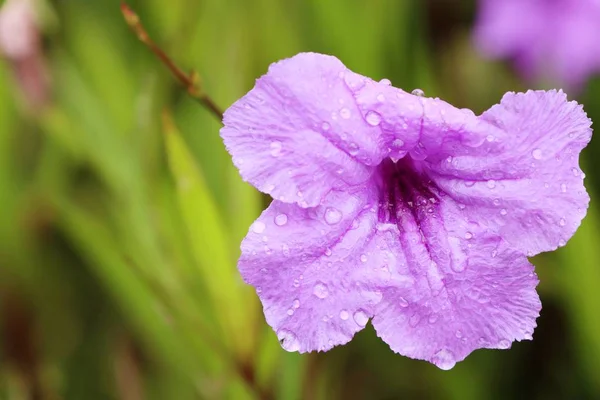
(418, 92)
(296, 303)
(344, 315)
(562, 222)
(504, 344)
(328, 252)
(398, 143)
(537, 154)
(380, 98)
(289, 341)
(403, 302)
(414, 320)
(490, 138)
(444, 359)
(468, 235)
(458, 334)
(491, 184)
(373, 118)
(325, 126)
(258, 227)
(320, 290)
(275, 149)
(563, 188)
(432, 318)
(290, 312)
(345, 113)
(281, 219)
(333, 216)
(385, 81)
(285, 249)
(361, 318)
(503, 211)
(363, 258)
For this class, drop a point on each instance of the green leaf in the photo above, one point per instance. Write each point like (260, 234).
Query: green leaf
(209, 241)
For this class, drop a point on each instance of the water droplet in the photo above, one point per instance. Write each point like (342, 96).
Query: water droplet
(380, 98)
(432, 318)
(385, 81)
(503, 211)
(281, 219)
(458, 334)
(537, 154)
(494, 253)
(373, 118)
(296, 283)
(258, 227)
(398, 143)
(418, 92)
(289, 341)
(562, 222)
(414, 320)
(268, 250)
(345, 113)
(285, 249)
(561, 242)
(333, 215)
(290, 312)
(296, 304)
(469, 183)
(361, 318)
(328, 252)
(402, 302)
(468, 235)
(563, 188)
(353, 149)
(320, 290)
(344, 315)
(575, 172)
(325, 126)
(490, 138)
(491, 184)
(275, 149)
(444, 359)
(363, 258)
(504, 344)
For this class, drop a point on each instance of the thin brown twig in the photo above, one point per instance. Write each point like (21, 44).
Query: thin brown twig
(191, 81)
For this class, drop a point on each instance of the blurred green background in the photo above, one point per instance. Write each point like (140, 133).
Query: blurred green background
(120, 229)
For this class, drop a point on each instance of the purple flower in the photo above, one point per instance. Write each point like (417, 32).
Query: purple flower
(552, 39)
(401, 209)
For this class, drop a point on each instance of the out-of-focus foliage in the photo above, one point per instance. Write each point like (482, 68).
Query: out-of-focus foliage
(121, 213)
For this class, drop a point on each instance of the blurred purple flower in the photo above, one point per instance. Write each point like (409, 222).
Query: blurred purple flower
(555, 39)
(20, 44)
(401, 208)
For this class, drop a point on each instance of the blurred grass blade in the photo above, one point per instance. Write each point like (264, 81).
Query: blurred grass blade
(209, 241)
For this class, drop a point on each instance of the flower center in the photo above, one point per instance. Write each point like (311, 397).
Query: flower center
(404, 189)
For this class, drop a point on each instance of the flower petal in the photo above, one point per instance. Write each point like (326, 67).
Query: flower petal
(523, 181)
(298, 133)
(488, 305)
(515, 167)
(313, 270)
